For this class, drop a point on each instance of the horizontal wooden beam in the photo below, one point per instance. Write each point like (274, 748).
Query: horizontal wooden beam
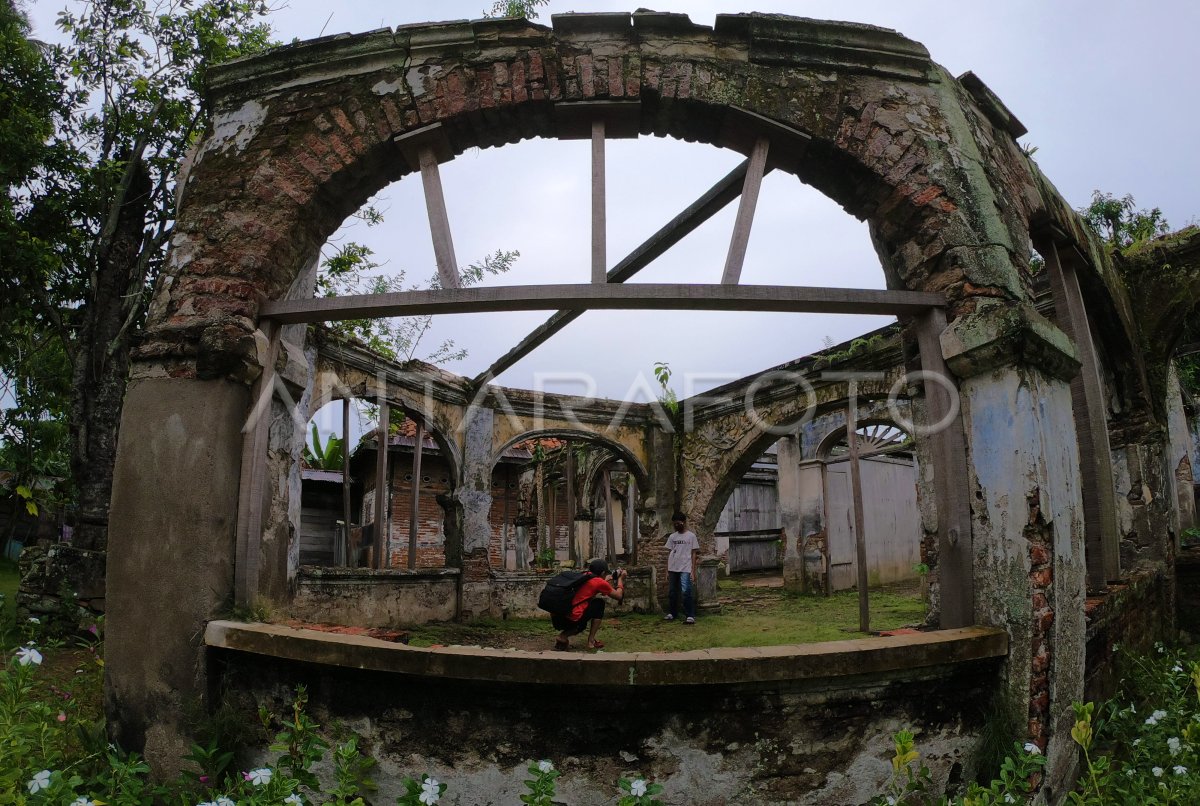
(587, 296)
(674, 231)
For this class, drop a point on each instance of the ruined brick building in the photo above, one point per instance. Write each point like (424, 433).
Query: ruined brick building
(1051, 447)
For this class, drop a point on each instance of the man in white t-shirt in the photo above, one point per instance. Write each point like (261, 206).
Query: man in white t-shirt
(683, 547)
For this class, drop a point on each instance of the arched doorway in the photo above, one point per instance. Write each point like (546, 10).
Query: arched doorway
(892, 523)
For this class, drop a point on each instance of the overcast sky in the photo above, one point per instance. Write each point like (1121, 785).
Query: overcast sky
(1107, 90)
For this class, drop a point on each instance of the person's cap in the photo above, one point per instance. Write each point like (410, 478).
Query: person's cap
(598, 567)
(679, 516)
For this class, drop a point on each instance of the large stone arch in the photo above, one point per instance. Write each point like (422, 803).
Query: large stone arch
(304, 135)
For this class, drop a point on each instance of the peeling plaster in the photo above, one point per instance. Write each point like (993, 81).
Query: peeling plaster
(236, 128)
(387, 87)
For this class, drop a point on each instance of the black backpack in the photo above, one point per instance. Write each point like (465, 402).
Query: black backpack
(556, 597)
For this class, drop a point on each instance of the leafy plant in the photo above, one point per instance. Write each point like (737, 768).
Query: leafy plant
(667, 396)
(541, 786)
(329, 456)
(425, 792)
(638, 792)
(1120, 222)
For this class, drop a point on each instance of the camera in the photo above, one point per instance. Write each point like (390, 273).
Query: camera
(615, 575)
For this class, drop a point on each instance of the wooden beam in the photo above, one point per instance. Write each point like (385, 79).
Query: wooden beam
(588, 296)
(1102, 538)
(415, 499)
(345, 559)
(745, 214)
(956, 570)
(252, 482)
(381, 484)
(674, 231)
(599, 223)
(439, 220)
(860, 536)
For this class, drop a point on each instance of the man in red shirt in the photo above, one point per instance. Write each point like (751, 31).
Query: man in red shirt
(587, 606)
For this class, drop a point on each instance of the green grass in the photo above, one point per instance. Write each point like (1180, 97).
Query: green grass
(749, 616)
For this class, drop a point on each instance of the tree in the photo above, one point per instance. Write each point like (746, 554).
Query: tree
(99, 205)
(351, 269)
(516, 8)
(1119, 221)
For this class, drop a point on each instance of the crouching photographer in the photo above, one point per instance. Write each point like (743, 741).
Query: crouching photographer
(587, 605)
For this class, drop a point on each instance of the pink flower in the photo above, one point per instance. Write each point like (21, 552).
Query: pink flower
(204, 779)
(62, 717)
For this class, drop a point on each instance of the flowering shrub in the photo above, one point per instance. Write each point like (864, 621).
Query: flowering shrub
(541, 786)
(1143, 747)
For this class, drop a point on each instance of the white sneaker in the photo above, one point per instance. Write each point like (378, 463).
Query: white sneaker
(669, 617)
(689, 620)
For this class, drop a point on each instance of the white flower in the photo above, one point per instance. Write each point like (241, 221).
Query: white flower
(1158, 771)
(891, 801)
(294, 799)
(1136, 742)
(545, 766)
(1009, 798)
(206, 803)
(34, 620)
(1154, 717)
(1116, 647)
(41, 780)
(1032, 749)
(1173, 745)
(1179, 770)
(259, 777)
(27, 655)
(430, 792)
(637, 788)
(82, 801)
(224, 801)
(1178, 667)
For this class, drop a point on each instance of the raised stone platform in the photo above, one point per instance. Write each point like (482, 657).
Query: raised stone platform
(717, 666)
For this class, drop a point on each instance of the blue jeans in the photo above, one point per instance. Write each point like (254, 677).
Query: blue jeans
(677, 581)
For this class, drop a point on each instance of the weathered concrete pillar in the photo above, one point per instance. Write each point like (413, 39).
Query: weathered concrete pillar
(474, 497)
(787, 486)
(1179, 463)
(1026, 504)
(171, 553)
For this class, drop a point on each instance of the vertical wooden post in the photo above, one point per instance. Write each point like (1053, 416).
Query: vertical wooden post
(381, 483)
(439, 220)
(860, 537)
(344, 559)
(504, 523)
(599, 219)
(415, 500)
(1102, 546)
(576, 560)
(609, 534)
(631, 516)
(956, 571)
(251, 485)
(745, 214)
